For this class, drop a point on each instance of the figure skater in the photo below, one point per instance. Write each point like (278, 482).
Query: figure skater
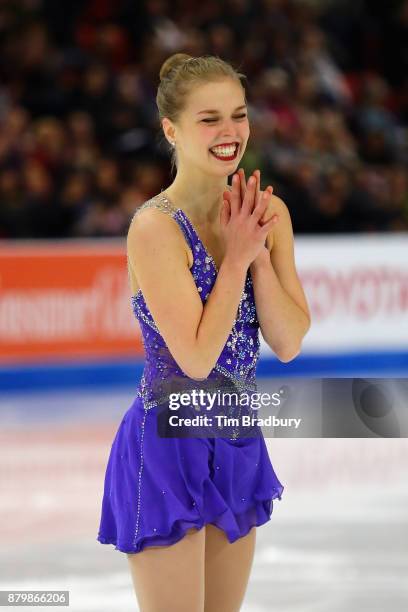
(209, 264)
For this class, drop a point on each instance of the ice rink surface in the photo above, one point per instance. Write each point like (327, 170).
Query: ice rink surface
(337, 541)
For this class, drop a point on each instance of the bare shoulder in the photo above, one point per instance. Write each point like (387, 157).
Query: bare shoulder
(281, 231)
(277, 205)
(152, 228)
(153, 219)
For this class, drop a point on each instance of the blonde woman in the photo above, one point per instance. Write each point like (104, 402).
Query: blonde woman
(209, 265)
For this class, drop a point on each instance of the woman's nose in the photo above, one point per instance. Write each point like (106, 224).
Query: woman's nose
(228, 129)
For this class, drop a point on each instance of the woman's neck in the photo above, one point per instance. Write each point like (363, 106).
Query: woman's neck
(200, 200)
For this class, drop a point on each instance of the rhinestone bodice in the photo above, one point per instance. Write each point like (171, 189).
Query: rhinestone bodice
(238, 359)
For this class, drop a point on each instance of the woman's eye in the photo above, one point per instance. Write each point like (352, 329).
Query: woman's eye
(236, 117)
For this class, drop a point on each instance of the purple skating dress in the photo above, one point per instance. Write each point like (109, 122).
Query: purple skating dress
(157, 488)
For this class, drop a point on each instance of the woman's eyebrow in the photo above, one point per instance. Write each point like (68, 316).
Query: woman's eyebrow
(215, 111)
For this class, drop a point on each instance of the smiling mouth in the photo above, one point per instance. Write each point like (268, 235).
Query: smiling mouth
(225, 153)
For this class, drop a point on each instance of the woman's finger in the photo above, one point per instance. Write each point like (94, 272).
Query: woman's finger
(264, 229)
(260, 207)
(235, 200)
(265, 217)
(269, 223)
(225, 212)
(241, 173)
(248, 201)
(274, 219)
(257, 175)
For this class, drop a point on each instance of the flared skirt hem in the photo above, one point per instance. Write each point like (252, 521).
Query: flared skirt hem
(180, 527)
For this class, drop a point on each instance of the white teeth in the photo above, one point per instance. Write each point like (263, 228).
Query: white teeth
(224, 151)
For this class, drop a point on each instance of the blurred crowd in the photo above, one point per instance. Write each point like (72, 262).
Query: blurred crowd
(80, 142)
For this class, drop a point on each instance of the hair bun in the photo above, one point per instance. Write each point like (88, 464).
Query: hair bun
(174, 61)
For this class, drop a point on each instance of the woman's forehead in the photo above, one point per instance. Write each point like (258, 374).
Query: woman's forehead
(217, 95)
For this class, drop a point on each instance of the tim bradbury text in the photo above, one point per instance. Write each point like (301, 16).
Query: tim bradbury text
(245, 420)
(197, 397)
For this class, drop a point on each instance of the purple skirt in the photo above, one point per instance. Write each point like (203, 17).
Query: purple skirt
(158, 488)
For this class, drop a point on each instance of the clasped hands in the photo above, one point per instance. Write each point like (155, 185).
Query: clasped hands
(239, 187)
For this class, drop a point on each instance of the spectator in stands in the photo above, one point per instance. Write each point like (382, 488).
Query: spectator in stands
(79, 136)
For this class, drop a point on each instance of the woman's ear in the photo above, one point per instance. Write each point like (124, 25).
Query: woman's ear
(168, 130)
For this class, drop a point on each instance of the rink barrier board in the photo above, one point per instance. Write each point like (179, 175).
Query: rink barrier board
(71, 300)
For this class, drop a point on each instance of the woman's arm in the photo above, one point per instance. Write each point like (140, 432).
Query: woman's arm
(281, 305)
(195, 334)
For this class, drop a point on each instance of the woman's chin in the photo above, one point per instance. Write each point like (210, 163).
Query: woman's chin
(228, 170)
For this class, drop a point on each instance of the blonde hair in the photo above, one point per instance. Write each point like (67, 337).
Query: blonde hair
(179, 74)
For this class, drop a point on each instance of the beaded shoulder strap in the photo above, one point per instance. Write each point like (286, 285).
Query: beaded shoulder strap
(159, 201)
